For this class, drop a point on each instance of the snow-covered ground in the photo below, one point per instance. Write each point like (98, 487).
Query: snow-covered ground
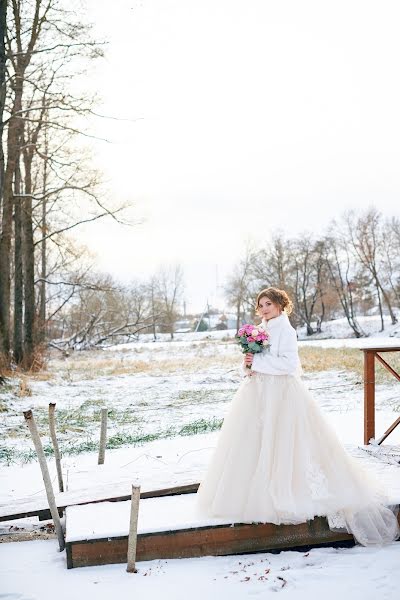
(166, 401)
(36, 571)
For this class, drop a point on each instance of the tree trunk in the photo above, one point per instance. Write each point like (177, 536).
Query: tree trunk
(4, 358)
(238, 305)
(29, 280)
(341, 284)
(18, 272)
(43, 246)
(380, 308)
(153, 316)
(386, 298)
(15, 129)
(43, 275)
(29, 256)
(3, 27)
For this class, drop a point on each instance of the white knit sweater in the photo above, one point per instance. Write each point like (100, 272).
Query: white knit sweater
(282, 357)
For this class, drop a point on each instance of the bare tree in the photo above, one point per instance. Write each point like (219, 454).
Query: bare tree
(340, 267)
(104, 313)
(48, 188)
(169, 288)
(366, 237)
(273, 265)
(239, 291)
(391, 256)
(309, 280)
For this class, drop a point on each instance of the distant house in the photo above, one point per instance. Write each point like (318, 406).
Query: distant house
(220, 321)
(183, 326)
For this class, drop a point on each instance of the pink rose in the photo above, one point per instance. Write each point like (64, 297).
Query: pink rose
(250, 339)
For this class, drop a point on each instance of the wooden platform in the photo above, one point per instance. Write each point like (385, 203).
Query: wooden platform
(216, 540)
(175, 532)
(114, 492)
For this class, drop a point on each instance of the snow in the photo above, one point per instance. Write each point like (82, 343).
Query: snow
(153, 403)
(111, 519)
(335, 330)
(339, 329)
(36, 571)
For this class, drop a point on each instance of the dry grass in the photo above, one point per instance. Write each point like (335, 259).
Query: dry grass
(346, 359)
(42, 376)
(114, 367)
(313, 359)
(24, 388)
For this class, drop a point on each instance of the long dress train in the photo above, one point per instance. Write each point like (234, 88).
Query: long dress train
(278, 461)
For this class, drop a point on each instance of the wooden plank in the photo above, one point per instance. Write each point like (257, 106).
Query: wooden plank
(217, 540)
(388, 367)
(369, 395)
(369, 391)
(28, 507)
(381, 349)
(388, 431)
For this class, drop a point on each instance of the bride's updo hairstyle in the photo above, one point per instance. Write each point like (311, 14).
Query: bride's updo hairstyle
(278, 297)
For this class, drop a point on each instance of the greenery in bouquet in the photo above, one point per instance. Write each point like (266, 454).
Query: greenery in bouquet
(252, 339)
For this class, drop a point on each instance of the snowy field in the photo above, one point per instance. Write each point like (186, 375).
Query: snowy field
(166, 401)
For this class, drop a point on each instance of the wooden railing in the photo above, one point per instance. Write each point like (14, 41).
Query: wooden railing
(370, 354)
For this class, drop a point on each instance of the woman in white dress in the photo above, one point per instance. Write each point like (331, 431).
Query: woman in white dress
(277, 460)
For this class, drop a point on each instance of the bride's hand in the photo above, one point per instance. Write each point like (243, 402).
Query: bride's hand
(248, 359)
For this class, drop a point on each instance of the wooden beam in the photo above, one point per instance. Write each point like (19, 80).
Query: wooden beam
(388, 431)
(369, 394)
(381, 349)
(218, 540)
(388, 367)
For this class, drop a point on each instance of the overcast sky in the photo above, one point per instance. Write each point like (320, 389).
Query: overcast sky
(245, 116)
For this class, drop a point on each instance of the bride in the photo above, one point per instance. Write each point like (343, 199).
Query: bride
(277, 460)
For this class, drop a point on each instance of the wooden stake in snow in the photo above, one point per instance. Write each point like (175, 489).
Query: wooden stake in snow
(103, 436)
(57, 455)
(132, 540)
(46, 476)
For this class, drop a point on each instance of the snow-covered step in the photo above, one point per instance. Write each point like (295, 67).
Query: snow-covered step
(115, 492)
(110, 519)
(168, 527)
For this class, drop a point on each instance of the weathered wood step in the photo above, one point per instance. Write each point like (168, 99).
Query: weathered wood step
(169, 527)
(113, 492)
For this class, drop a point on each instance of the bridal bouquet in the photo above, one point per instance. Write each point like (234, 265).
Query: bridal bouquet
(252, 339)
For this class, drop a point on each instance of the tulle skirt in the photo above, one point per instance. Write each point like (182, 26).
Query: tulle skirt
(278, 461)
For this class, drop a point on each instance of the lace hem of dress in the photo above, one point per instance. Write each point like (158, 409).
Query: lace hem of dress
(317, 482)
(337, 522)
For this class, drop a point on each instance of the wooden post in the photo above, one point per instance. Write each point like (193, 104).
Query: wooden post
(28, 415)
(57, 455)
(132, 539)
(369, 395)
(103, 436)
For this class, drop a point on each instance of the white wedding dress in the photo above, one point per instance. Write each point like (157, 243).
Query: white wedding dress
(278, 461)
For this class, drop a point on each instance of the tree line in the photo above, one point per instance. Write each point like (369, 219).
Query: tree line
(47, 183)
(106, 312)
(345, 271)
(350, 269)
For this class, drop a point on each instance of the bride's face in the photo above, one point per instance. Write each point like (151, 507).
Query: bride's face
(268, 309)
